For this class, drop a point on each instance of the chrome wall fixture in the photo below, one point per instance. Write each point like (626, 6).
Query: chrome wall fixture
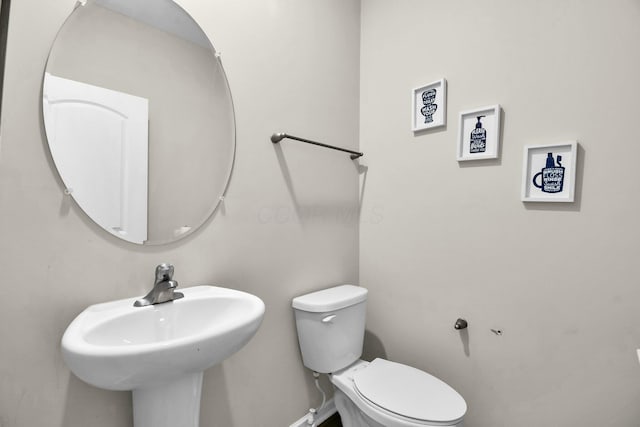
(460, 324)
(277, 137)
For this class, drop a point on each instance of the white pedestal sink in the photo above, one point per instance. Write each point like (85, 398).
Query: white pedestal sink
(161, 351)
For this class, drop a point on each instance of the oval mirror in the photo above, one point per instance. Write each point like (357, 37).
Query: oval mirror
(139, 118)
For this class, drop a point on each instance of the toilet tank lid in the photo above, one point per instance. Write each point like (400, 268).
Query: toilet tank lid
(330, 299)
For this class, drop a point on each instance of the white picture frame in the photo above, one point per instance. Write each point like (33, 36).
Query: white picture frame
(479, 142)
(429, 106)
(546, 182)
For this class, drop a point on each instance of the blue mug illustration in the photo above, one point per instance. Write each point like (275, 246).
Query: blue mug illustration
(552, 176)
(430, 107)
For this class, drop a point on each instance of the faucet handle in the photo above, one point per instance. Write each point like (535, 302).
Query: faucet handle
(164, 272)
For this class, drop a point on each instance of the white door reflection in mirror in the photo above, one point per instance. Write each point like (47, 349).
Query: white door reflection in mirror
(99, 141)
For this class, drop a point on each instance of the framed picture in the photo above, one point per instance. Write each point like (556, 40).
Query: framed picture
(549, 172)
(429, 105)
(479, 133)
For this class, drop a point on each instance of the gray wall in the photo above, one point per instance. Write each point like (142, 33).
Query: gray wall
(438, 239)
(283, 229)
(454, 239)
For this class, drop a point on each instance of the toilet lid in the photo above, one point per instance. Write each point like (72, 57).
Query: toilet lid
(409, 392)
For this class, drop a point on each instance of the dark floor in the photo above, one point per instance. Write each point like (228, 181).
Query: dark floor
(332, 421)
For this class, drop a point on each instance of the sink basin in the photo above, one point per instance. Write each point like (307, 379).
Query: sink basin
(160, 351)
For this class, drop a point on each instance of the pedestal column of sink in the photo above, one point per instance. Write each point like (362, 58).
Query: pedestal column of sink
(169, 404)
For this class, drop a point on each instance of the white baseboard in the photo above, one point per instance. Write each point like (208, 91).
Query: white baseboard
(328, 410)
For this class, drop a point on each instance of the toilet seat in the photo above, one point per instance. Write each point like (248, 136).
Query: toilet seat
(409, 392)
(385, 412)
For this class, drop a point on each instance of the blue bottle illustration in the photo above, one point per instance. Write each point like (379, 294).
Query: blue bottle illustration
(478, 138)
(552, 176)
(430, 107)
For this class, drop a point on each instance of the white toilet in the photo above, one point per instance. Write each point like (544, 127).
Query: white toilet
(381, 393)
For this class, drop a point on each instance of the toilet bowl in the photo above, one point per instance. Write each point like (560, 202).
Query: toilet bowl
(388, 394)
(381, 393)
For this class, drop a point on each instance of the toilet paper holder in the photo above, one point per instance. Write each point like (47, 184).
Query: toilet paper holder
(461, 324)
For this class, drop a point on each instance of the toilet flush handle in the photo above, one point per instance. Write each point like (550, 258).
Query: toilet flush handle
(328, 318)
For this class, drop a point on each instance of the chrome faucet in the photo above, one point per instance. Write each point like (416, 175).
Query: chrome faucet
(163, 288)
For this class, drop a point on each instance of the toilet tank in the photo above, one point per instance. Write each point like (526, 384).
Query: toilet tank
(330, 326)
